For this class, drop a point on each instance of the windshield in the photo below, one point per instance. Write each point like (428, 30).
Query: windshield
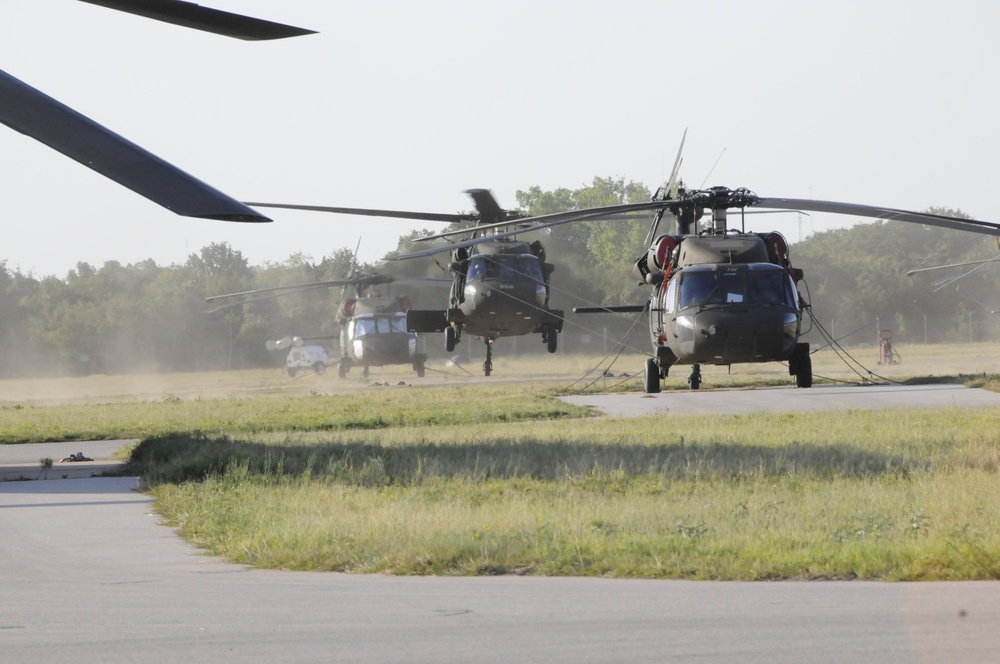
(505, 268)
(380, 324)
(757, 286)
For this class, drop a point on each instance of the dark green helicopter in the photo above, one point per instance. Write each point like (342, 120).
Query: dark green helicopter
(725, 296)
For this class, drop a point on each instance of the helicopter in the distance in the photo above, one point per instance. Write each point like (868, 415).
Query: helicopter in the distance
(35, 114)
(373, 330)
(500, 285)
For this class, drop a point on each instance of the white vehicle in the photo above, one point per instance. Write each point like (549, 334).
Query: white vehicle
(307, 357)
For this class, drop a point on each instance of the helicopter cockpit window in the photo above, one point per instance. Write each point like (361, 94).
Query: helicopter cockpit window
(771, 286)
(670, 297)
(398, 323)
(530, 267)
(363, 326)
(733, 286)
(698, 288)
(477, 268)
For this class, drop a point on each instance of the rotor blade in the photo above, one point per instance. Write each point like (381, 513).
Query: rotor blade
(248, 300)
(614, 212)
(612, 309)
(400, 214)
(527, 224)
(489, 210)
(372, 280)
(191, 15)
(970, 225)
(910, 273)
(672, 182)
(29, 111)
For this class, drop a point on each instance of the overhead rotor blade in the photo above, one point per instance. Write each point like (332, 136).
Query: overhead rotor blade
(372, 280)
(613, 309)
(858, 210)
(31, 112)
(489, 210)
(191, 15)
(400, 214)
(238, 303)
(675, 171)
(612, 212)
(910, 273)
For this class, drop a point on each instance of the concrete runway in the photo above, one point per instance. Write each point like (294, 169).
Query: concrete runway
(89, 575)
(786, 399)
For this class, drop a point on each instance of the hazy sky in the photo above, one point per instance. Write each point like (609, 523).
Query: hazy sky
(407, 104)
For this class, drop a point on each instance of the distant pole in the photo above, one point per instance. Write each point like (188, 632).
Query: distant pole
(970, 327)
(925, 328)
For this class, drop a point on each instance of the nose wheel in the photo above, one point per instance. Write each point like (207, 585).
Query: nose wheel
(694, 380)
(488, 364)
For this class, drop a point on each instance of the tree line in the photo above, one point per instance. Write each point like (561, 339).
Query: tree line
(144, 317)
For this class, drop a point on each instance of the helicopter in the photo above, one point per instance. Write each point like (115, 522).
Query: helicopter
(373, 330)
(500, 285)
(724, 296)
(33, 113)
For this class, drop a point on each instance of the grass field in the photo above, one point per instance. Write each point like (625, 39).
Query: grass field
(466, 479)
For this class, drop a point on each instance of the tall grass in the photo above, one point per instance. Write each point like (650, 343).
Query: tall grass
(904, 496)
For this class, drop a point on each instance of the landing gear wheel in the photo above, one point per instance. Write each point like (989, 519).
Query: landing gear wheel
(651, 374)
(418, 366)
(342, 369)
(364, 373)
(552, 341)
(694, 380)
(803, 366)
(488, 364)
(449, 339)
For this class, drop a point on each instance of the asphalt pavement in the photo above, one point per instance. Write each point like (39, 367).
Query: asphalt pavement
(786, 399)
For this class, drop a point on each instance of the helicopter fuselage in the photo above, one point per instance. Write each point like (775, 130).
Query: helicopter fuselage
(721, 313)
(720, 298)
(373, 332)
(502, 294)
(499, 289)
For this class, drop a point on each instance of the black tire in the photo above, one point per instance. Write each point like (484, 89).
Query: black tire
(449, 339)
(552, 341)
(804, 371)
(651, 376)
(418, 366)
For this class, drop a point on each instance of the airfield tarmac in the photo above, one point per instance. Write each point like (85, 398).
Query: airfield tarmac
(90, 575)
(786, 399)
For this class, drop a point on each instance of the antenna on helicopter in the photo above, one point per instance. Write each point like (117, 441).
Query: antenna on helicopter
(709, 174)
